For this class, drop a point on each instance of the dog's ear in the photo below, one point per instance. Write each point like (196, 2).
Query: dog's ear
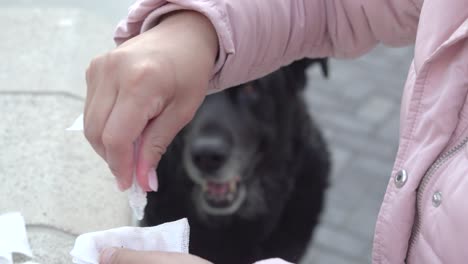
(298, 69)
(301, 65)
(323, 63)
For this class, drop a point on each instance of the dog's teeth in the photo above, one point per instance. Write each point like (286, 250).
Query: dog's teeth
(232, 186)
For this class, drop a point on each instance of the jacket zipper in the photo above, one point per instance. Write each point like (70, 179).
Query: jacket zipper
(427, 177)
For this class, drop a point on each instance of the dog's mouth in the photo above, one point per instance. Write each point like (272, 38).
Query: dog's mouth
(221, 194)
(222, 198)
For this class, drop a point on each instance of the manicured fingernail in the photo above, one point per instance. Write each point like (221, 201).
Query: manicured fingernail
(106, 255)
(153, 179)
(119, 185)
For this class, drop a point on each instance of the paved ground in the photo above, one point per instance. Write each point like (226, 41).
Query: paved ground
(55, 179)
(358, 108)
(50, 175)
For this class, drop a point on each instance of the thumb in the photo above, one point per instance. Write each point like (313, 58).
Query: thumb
(127, 256)
(120, 256)
(155, 139)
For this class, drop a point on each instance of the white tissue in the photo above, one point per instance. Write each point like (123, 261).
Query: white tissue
(77, 125)
(136, 195)
(169, 237)
(13, 238)
(137, 199)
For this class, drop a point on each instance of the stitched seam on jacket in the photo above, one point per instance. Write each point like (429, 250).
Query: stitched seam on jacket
(419, 82)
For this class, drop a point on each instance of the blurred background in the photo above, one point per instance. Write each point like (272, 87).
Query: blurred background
(63, 189)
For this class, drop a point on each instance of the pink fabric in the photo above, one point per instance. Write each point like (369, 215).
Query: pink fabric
(257, 37)
(278, 32)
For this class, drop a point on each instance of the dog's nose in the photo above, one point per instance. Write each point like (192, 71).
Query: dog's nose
(209, 153)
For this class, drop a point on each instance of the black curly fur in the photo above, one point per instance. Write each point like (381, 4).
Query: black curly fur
(291, 175)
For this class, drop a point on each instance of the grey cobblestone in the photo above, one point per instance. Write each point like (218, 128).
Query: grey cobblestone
(358, 107)
(345, 122)
(390, 128)
(335, 213)
(333, 237)
(327, 256)
(357, 92)
(375, 109)
(365, 143)
(340, 158)
(362, 220)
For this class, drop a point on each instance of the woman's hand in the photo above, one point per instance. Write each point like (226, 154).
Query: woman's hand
(149, 87)
(125, 256)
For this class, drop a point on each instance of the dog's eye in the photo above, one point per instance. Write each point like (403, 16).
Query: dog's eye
(248, 94)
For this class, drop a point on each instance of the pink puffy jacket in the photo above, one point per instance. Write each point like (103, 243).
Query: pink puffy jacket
(424, 215)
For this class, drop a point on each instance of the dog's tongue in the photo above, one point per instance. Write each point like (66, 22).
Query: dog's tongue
(218, 188)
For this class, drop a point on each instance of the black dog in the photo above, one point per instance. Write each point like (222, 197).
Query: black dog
(249, 172)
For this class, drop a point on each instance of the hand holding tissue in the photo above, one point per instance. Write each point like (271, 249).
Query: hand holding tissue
(168, 237)
(136, 195)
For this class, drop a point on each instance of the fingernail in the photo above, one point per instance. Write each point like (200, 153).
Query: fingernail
(120, 186)
(153, 179)
(106, 255)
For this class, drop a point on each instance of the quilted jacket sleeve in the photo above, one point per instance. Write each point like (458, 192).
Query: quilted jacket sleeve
(258, 36)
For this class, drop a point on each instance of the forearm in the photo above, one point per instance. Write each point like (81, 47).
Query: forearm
(257, 37)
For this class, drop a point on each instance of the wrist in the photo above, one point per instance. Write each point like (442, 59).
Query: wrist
(194, 27)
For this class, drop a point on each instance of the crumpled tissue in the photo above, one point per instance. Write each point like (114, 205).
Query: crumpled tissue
(169, 237)
(13, 237)
(136, 195)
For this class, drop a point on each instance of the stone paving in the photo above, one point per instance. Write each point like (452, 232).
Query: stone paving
(45, 48)
(52, 176)
(358, 109)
